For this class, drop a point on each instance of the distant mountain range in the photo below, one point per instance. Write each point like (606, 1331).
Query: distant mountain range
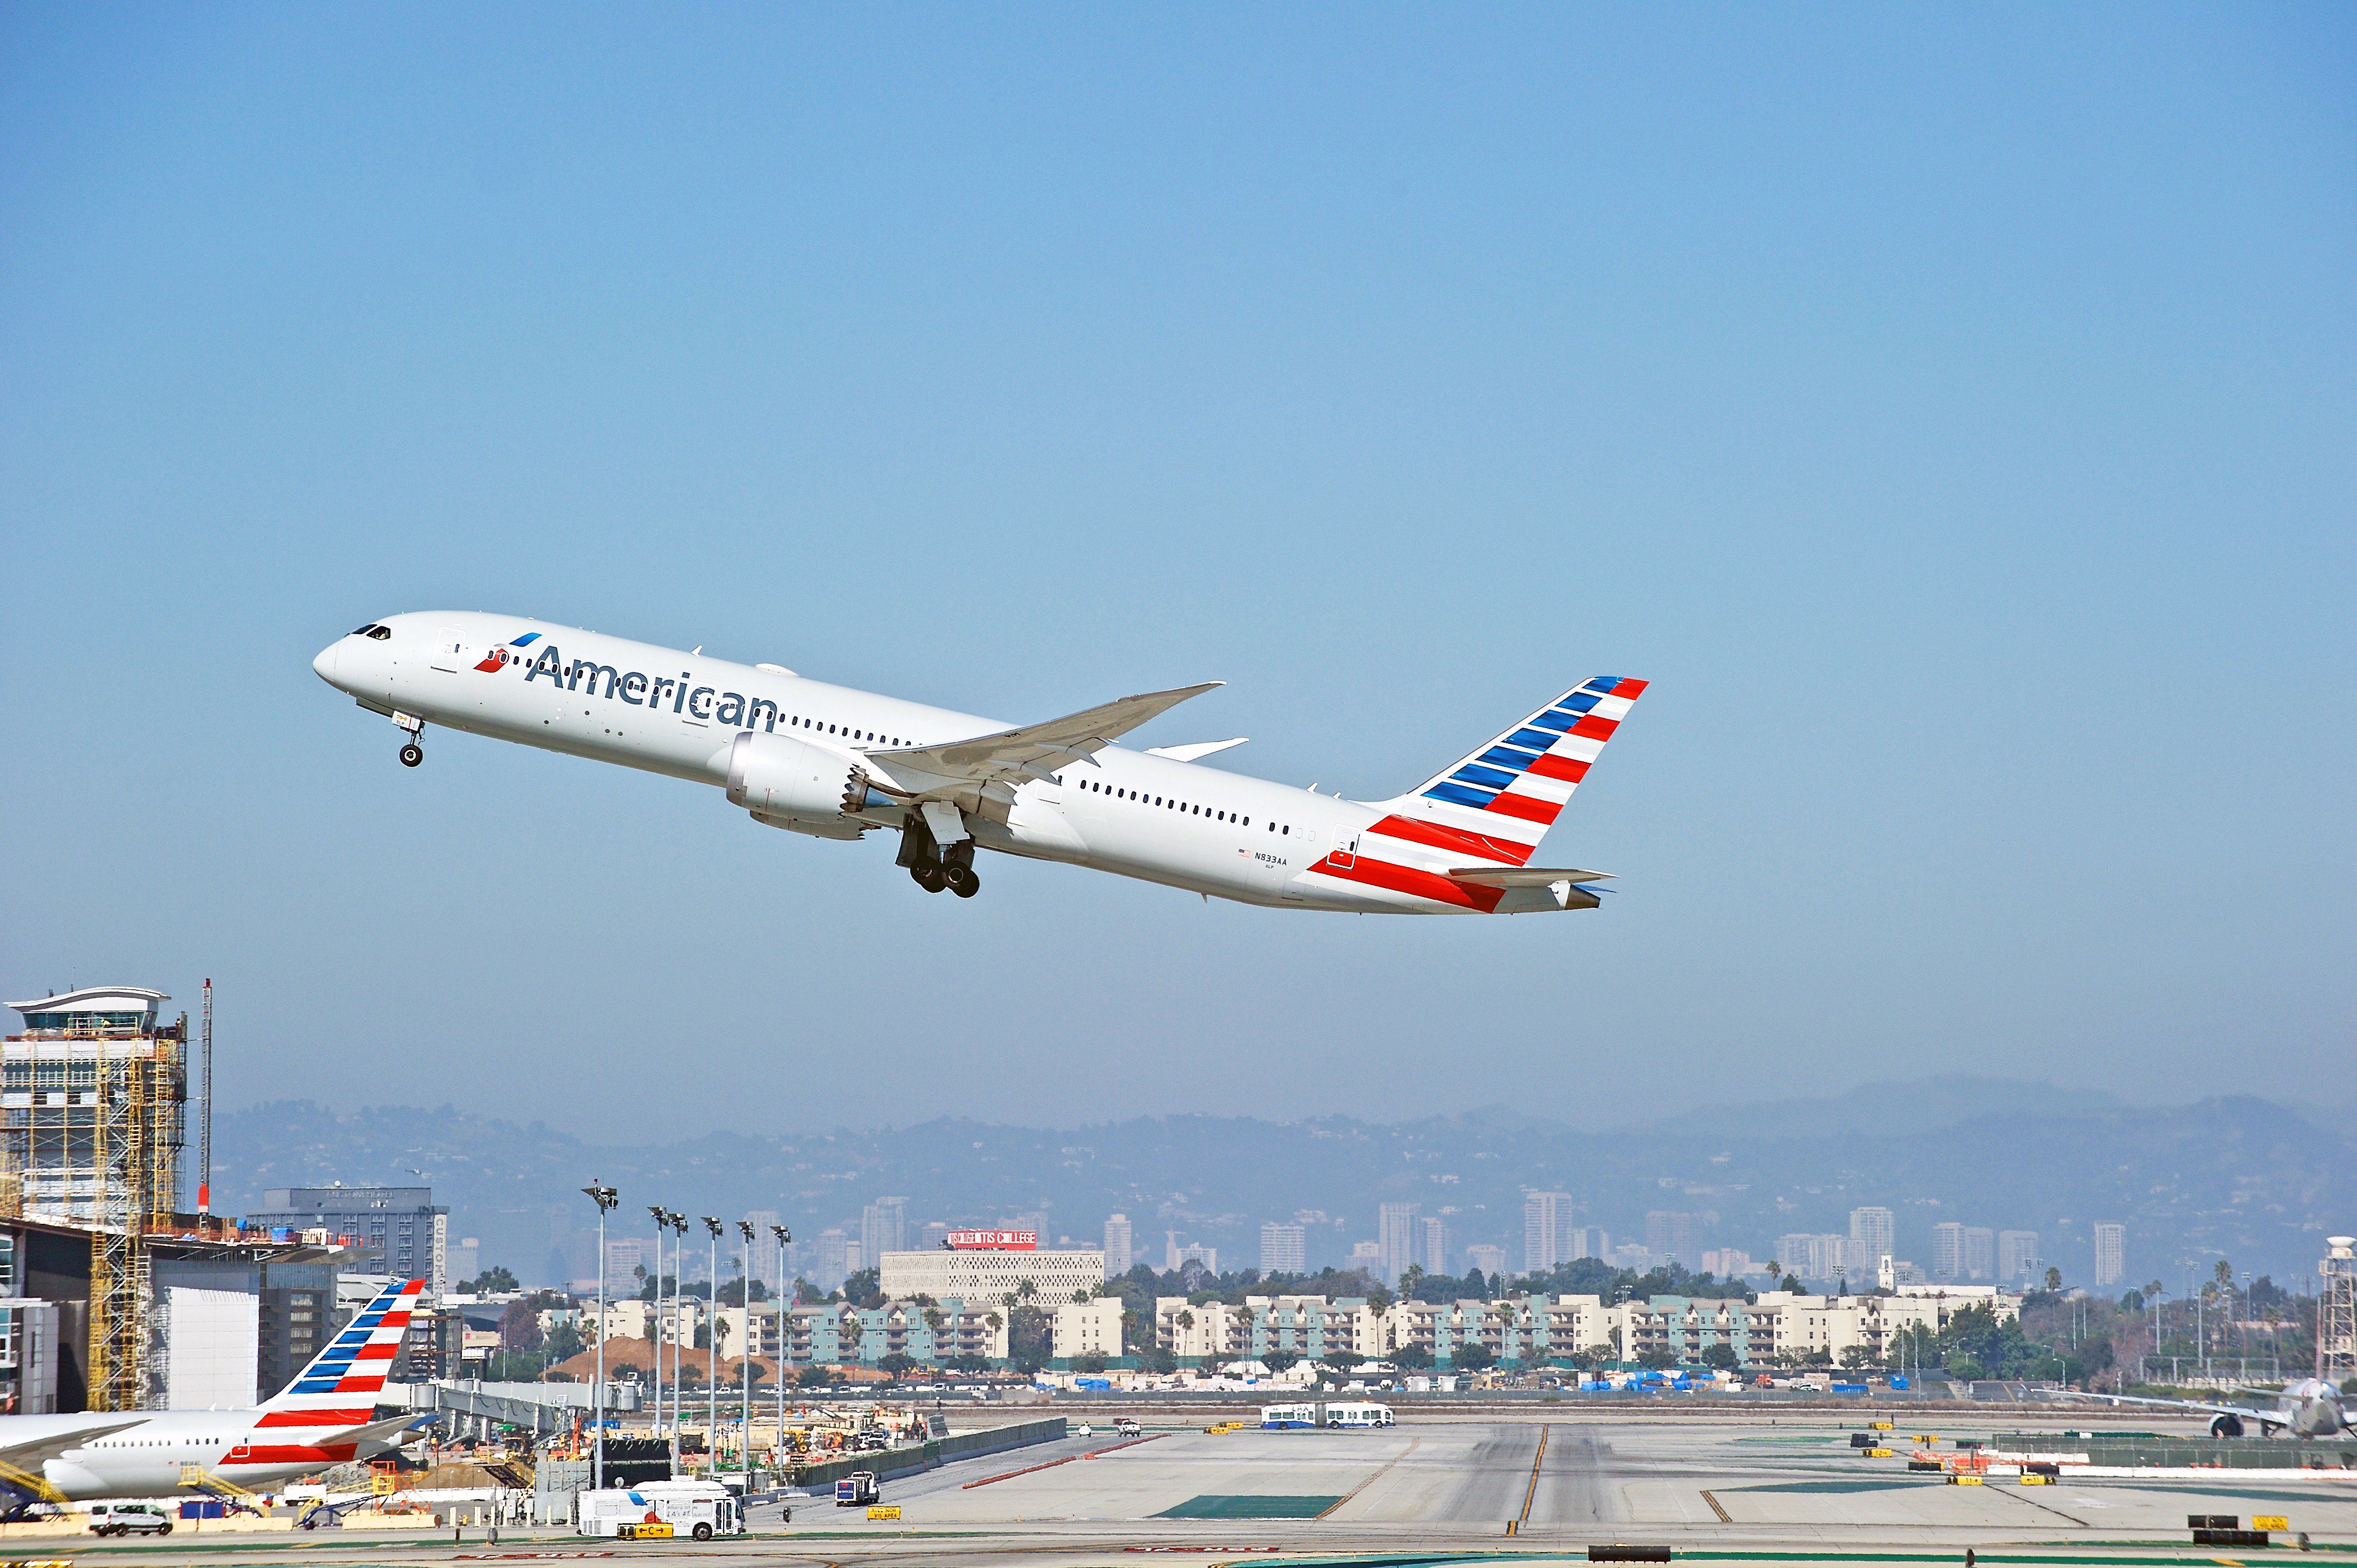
(2255, 1182)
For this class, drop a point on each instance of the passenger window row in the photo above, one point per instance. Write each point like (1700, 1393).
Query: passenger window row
(1189, 807)
(845, 731)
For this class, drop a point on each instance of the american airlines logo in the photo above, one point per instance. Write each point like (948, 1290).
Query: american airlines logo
(707, 704)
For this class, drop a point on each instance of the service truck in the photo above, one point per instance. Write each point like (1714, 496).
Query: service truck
(700, 1509)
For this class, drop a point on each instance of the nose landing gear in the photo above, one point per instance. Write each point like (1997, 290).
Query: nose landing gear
(411, 753)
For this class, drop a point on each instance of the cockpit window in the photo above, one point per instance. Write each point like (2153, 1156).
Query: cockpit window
(363, 630)
(378, 633)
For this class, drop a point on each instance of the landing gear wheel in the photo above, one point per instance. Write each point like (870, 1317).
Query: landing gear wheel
(963, 881)
(930, 876)
(411, 753)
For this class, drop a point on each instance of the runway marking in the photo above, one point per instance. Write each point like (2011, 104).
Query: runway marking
(1724, 1517)
(1531, 1491)
(1378, 1475)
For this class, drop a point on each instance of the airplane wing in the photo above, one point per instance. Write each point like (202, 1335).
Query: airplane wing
(1012, 756)
(1523, 876)
(31, 1453)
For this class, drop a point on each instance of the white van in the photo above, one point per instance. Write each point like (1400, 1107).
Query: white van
(129, 1519)
(700, 1509)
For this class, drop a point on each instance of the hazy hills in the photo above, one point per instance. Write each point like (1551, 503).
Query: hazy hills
(2242, 1177)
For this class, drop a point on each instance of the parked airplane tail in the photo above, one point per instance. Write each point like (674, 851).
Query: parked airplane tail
(1495, 803)
(341, 1386)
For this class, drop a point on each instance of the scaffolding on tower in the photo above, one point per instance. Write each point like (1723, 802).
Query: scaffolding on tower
(2336, 1311)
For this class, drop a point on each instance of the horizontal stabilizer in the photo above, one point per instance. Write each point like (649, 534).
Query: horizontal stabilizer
(1523, 876)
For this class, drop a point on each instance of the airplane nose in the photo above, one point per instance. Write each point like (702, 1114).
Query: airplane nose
(325, 665)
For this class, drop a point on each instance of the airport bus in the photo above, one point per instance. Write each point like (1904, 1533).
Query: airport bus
(1285, 1417)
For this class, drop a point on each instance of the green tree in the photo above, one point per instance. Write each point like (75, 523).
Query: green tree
(1344, 1360)
(1279, 1361)
(1657, 1360)
(897, 1364)
(1720, 1355)
(1473, 1356)
(493, 1281)
(1091, 1362)
(562, 1343)
(865, 1289)
(2053, 1279)
(1413, 1358)
(814, 1376)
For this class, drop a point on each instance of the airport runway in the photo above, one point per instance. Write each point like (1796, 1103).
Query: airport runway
(1731, 1490)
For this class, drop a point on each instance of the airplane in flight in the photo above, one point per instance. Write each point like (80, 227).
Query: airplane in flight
(2305, 1407)
(837, 763)
(325, 1416)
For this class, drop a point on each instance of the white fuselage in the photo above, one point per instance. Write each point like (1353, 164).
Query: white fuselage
(147, 1460)
(1155, 818)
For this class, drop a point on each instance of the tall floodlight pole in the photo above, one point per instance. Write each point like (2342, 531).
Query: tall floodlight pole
(205, 1127)
(712, 1352)
(783, 1236)
(605, 1199)
(655, 1209)
(678, 1341)
(745, 1229)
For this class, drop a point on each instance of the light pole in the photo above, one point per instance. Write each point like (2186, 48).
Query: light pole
(783, 1236)
(605, 1199)
(678, 1223)
(712, 1353)
(744, 1362)
(655, 1209)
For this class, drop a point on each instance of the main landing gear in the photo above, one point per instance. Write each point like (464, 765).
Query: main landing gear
(411, 753)
(932, 867)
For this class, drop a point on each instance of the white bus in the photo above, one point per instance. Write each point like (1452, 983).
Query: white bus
(696, 1508)
(1286, 1417)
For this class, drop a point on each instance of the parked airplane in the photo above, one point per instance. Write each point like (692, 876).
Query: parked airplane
(324, 1417)
(835, 762)
(2305, 1407)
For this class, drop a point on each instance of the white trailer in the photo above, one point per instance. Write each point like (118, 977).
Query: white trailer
(698, 1509)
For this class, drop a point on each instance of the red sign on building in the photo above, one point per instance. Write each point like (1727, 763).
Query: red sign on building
(996, 1240)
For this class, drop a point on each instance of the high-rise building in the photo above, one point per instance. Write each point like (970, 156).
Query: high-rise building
(1669, 1236)
(1980, 1252)
(883, 1228)
(1490, 1261)
(2111, 1252)
(1546, 1218)
(1367, 1256)
(1586, 1241)
(1196, 1253)
(1817, 1256)
(1948, 1251)
(2017, 1255)
(832, 1264)
(1432, 1245)
(1283, 1249)
(1119, 1245)
(1395, 1233)
(1873, 1236)
(400, 1230)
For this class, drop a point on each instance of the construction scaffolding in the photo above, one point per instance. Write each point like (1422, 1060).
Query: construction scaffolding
(93, 1101)
(2336, 1311)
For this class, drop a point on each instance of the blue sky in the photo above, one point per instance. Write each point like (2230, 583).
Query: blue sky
(1950, 413)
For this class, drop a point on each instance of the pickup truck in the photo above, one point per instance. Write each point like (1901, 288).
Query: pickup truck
(1126, 1427)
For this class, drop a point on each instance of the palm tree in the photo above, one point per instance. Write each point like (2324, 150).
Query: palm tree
(1775, 1273)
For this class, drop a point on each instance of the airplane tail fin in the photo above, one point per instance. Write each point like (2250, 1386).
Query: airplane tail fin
(341, 1386)
(1496, 803)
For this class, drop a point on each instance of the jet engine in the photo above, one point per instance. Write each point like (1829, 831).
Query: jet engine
(2226, 1426)
(792, 784)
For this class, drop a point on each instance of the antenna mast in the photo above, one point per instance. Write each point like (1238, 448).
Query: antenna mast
(205, 1122)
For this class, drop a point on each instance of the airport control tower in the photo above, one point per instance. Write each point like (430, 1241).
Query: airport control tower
(94, 1105)
(2336, 1311)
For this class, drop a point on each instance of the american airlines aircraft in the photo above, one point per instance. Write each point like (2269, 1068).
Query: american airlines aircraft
(835, 762)
(324, 1417)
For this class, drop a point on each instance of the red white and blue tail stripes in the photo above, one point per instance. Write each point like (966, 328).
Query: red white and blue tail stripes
(1497, 802)
(341, 1385)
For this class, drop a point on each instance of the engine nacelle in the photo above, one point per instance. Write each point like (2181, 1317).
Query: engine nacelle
(2226, 1426)
(792, 784)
